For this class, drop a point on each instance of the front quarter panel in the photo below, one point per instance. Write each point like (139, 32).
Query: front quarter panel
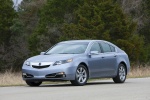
(80, 59)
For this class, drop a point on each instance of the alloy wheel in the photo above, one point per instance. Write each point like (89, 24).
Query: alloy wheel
(122, 73)
(81, 75)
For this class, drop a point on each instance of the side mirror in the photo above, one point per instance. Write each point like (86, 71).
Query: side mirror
(42, 53)
(94, 52)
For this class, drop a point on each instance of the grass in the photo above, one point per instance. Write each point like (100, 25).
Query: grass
(11, 79)
(139, 72)
(15, 79)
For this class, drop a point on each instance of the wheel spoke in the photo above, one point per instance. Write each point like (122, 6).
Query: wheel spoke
(84, 76)
(120, 70)
(83, 72)
(119, 73)
(124, 74)
(80, 79)
(78, 71)
(121, 77)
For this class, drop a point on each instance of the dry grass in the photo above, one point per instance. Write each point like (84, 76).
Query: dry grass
(8, 79)
(139, 72)
(13, 79)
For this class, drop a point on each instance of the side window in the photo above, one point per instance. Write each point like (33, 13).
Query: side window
(96, 47)
(112, 48)
(106, 47)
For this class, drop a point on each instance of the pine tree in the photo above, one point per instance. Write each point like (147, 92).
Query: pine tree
(23, 26)
(85, 19)
(104, 19)
(52, 15)
(7, 13)
(145, 30)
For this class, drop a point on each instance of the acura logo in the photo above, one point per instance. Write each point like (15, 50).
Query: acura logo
(39, 64)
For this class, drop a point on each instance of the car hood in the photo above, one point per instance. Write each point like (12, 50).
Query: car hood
(52, 57)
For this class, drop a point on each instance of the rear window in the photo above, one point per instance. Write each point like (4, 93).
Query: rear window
(112, 48)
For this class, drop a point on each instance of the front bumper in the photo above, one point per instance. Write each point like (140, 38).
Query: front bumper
(58, 72)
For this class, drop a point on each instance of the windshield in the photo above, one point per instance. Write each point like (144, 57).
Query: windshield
(66, 48)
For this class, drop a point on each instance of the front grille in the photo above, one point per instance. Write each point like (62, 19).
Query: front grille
(40, 67)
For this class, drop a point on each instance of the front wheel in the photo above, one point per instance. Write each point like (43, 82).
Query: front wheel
(36, 83)
(81, 76)
(121, 74)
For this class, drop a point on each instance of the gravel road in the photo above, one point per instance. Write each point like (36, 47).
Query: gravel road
(132, 89)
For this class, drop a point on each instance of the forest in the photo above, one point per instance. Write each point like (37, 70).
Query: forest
(38, 24)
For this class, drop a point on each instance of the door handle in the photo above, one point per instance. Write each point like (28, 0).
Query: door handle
(115, 55)
(103, 57)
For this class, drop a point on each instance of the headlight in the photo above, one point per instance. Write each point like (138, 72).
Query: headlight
(27, 63)
(63, 62)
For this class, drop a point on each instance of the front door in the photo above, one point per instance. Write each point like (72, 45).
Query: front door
(96, 60)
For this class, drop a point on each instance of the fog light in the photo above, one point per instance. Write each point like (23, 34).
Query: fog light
(24, 74)
(60, 73)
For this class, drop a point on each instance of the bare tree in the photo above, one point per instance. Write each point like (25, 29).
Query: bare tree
(134, 8)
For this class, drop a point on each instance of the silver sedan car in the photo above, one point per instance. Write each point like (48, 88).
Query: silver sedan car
(77, 61)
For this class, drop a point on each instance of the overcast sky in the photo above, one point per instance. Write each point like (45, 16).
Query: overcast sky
(16, 2)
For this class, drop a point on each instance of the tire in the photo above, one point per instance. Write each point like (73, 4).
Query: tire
(81, 76)
(36, 83)
(121, 74)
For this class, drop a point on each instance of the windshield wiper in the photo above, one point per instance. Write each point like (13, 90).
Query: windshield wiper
(67, 53)
(63, 53)
(59, 53)
(47, 53)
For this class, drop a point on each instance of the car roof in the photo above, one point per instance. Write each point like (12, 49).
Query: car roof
(90, 41)
(80, 41)
(87, 41)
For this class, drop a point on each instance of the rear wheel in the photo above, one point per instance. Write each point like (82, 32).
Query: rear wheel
(35, 83)
(81, 76)
(121, 75)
